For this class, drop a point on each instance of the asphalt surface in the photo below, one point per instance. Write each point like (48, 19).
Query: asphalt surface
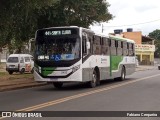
(16, 81)
(139, 92)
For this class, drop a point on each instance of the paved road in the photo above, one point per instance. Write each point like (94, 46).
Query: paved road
(139, 92)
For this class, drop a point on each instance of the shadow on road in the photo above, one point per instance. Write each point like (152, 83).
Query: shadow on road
(81, 86)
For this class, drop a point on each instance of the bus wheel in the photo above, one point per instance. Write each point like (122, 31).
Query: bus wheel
(123, 74)
(22, 71)
(94, 80)
(58, 84)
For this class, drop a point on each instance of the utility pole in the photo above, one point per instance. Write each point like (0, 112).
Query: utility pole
(102, 28)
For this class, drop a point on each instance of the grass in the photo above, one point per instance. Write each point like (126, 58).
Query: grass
(2, 65)
(3, 73)
(14, 76)
(6, 76)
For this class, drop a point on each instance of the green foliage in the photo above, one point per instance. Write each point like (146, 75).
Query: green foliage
(21, 18)
(79, 13)
(156, 35)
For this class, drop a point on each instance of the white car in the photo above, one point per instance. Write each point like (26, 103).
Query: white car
(20, 63)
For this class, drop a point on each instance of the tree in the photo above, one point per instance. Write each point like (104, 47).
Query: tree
(156, 35)
(80, 13)
(21, 18)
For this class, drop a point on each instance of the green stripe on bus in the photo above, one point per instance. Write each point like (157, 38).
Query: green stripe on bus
(115, 60)
(47, 70)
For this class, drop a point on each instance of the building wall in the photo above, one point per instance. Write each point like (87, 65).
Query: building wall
(136, 36)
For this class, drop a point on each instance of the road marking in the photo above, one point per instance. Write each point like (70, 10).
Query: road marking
(58, 101)
(82, 95)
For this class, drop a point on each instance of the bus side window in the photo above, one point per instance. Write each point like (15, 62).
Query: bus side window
(105, 47)
(112, 43)
(102, 41)
(125, 50)
(113, 47)
(119, 44)
(84, 46)
(133, 48)
(131, 51)
(119, 48)
(96, 45)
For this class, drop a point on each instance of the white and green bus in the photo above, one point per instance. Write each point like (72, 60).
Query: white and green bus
(76, 54)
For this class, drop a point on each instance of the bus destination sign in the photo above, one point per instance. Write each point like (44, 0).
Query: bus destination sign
(58, 32)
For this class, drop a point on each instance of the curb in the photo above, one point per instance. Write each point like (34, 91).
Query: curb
(23, 86)
(143, 69)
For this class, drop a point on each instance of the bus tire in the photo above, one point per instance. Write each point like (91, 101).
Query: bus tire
(22, 71)
(94, 80)
(123, 74)
(58, 84)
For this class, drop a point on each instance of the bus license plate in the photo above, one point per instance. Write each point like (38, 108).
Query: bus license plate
(54, 79)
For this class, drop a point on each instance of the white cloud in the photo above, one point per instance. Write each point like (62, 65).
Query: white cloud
(129, 12)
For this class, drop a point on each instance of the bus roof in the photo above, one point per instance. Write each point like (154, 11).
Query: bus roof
(121, 38)
(89, 30)
(60, 27)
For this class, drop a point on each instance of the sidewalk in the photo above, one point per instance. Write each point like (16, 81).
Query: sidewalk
(18, 81)
(145, 67)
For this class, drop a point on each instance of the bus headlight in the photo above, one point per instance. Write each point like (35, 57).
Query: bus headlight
(75, 68)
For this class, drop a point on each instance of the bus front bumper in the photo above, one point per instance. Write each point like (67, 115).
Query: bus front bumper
(71, 78)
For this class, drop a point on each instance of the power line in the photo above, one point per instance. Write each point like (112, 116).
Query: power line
(134, 24)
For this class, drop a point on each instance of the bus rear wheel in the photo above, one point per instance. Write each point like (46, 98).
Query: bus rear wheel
(94, 80)
(123, 74)
(58, 84)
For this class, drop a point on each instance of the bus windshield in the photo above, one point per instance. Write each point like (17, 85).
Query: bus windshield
(57, 48)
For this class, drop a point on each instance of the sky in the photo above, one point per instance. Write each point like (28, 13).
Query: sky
(140, 15)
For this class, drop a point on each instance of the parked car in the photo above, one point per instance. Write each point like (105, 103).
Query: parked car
(20, 63)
